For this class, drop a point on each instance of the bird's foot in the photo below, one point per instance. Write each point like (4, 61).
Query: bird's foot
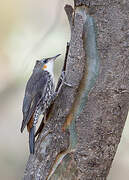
(62, 78)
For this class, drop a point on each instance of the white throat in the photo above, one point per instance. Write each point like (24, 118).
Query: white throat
(50, 68)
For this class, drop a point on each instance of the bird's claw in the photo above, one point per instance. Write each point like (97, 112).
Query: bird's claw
(62, 78)
(67, 84)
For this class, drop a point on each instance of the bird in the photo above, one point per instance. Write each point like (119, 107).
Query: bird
(39, 94)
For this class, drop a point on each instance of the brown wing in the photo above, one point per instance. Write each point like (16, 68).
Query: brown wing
(30, 123)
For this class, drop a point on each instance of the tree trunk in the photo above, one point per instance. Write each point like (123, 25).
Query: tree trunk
(84, 126)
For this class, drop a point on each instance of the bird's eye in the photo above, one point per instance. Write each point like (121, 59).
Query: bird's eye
(45, 61)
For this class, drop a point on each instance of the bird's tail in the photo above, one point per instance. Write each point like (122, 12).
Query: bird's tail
(32, 140)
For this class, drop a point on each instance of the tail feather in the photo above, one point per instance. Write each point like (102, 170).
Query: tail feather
(32, 140)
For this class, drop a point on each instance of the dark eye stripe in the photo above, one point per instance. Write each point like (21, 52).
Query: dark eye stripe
(45, 61)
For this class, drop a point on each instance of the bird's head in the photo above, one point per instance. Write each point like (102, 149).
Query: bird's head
(45, 64)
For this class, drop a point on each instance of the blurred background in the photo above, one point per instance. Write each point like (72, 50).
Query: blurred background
(31, 30)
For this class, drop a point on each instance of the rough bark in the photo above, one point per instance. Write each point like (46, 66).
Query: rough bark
(84, 126)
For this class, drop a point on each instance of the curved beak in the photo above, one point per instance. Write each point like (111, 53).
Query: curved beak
(53, 58)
